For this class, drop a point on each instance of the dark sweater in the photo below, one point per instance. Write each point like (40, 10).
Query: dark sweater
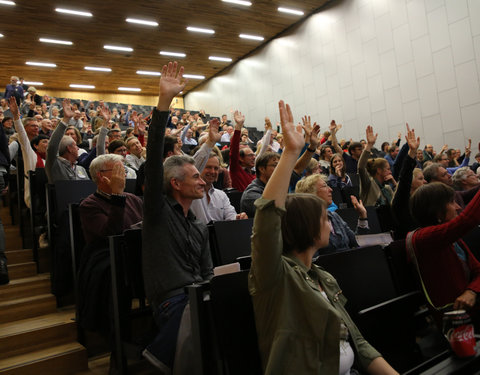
(176, 251)
(102, 217)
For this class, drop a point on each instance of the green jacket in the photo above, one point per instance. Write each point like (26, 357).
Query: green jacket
(298, 329)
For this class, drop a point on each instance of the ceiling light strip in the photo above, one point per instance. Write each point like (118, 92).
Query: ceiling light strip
(47, 65)
(74, 12)
(33, 83)
(193, 76)
(291, 11)
(238, 2)
(7, 2)
(252, 37)
(200, 30)
(78, 86)
(98, 69)
(118, 48)
(129, 89)
(148, 73)
(218, 58)
(175, 54)
(142, 22)
(56, 41)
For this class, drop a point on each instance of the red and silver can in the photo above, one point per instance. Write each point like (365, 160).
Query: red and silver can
(458, 329)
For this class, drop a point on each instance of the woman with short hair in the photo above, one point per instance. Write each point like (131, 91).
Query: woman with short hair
(302, 325)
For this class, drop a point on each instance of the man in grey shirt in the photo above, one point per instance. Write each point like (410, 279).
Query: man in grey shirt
(64, 166)
(175, 245)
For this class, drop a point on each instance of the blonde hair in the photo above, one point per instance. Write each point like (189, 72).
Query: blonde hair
(309, 184)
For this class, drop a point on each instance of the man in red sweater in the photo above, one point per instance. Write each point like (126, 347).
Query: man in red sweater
(242, 160)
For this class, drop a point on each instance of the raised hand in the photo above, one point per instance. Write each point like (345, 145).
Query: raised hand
(359, 207)
(67, 109)
(468, 149)
(268, 124)
(116, 182)
(171, 83)
(332, 127)
(14, 108)
(292, 134)
(105, 113)
(239, 120)
(314, 140)
(214, 135)
(412, 141)
(307, 127)
(371, 137)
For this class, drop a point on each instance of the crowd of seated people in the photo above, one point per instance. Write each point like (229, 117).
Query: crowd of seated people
(185, 163)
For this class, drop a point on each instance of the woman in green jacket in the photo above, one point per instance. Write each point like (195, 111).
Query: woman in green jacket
(303, 327)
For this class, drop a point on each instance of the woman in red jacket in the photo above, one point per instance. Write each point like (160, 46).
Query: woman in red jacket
(450, 272)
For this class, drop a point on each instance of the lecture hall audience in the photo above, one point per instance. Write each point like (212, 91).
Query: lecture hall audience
(110, 143)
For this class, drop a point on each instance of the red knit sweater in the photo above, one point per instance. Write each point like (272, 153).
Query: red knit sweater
(240, 177)
(441, 269)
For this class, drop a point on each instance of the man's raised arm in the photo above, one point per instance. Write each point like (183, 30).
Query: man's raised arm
(171, 83)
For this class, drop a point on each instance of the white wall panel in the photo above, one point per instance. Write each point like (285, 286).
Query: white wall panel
(379, 62)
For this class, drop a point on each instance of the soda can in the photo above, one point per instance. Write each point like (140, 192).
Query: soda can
(458, 329)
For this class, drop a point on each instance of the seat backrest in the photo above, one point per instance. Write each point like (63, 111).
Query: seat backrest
(38, 180)
(234, 196)
(350, 216)
(70, 191)
(404, 275)
(363, 275)
(337, 196)
(133, 258)
(234, 324)
(230, 240)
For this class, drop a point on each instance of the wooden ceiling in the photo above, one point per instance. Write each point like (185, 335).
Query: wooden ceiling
(23, 24)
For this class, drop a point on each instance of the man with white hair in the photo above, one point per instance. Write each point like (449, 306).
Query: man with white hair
(64, 166)
(464, 178)
(14, 89)
(109, 210)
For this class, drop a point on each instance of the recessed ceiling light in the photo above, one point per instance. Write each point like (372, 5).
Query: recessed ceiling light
(238, 2)
(74, 12)
(56, 41)
(98, 69)
(176, 54)
(291, 11)
(48, 65)
(75, 86)
(216, 58)
(200, 30)
(142, 22)
(6, 2)
(31, 83)
(129, 89)
(253, 37)
(148, 73)
(1, 35)
(193, 76)
(118, 48)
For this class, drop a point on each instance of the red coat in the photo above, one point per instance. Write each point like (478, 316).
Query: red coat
(440, 267)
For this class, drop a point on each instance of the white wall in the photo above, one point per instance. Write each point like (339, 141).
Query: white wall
(379, 62)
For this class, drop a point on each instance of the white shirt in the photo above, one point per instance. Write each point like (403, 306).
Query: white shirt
(225, 137)
(133, 161)
(218, 209)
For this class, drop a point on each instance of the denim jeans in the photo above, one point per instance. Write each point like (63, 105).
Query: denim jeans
(168, 317)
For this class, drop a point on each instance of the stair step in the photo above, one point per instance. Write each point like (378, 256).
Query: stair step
(13, 242)
(37, 333)
(62, 359)
(25, 287)
(19, 256)
(28, 307)
(21, 270)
